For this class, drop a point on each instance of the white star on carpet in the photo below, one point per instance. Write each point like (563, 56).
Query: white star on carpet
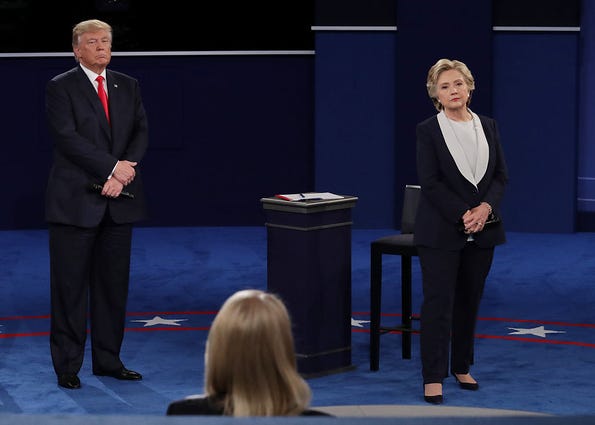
(538, 331)
(157, 320)
(358, 323)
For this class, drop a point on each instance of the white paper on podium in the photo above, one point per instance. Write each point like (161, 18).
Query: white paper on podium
(308, 196)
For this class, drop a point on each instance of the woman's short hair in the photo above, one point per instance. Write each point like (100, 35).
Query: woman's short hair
(446, 65)
(250, 363)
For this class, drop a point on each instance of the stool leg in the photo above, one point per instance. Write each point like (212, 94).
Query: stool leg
(406, 306)
(375, 297)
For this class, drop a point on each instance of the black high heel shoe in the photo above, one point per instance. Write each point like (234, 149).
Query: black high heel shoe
(433, 399)
(466, 385)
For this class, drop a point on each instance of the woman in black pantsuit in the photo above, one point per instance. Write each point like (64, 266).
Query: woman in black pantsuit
(462, 173)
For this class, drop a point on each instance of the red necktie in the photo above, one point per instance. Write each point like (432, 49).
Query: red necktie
(102, 95)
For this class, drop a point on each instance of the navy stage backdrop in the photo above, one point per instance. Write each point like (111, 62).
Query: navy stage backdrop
(227, 130)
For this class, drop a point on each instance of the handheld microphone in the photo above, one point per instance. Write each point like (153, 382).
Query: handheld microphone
(95, 187)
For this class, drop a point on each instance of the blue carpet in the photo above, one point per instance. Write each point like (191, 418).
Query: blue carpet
(534, 352)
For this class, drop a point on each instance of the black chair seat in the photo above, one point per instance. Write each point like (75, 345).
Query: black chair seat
(397, 244)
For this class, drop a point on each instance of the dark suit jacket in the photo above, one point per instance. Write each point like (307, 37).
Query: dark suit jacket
(86, 148)
(446, 194)
(201, 405)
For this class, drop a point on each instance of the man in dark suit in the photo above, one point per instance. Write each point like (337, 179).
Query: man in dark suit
(90, 232)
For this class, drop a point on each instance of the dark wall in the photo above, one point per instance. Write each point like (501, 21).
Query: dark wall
(536, 107)
(586, 123)
(355, 121)
(355, 105)
(371, 92)
(537, 13)
(225, 131)
(533, 96)
(456, 30)
(228, 130)
(536, 102)
(150, 25)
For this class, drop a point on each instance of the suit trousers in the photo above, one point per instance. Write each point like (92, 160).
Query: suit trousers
(453, 283)
(89, 274)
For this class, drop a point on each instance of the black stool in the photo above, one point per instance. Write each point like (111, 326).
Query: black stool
(399, 244)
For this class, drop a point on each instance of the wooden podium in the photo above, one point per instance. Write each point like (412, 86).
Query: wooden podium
(309, 267)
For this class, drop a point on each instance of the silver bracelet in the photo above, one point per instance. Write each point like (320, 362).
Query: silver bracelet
(489, 207)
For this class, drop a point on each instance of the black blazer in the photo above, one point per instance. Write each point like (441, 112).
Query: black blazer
(86, 147)
(446, 194)
(201, 405)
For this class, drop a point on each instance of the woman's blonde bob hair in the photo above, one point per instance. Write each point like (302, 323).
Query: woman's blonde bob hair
(250, 363)
(446, 65)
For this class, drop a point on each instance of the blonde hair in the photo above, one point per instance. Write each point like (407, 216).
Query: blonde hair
(446, 65)
(91, 25)
(250, 363)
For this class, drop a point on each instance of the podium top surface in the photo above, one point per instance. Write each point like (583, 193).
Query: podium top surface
(308, 206)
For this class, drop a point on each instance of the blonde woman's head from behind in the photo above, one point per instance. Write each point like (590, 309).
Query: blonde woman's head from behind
(250, 358)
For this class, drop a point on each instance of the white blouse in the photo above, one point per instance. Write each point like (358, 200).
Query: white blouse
(467, 144)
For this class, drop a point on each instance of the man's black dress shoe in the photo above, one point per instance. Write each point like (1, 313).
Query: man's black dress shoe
(467, 385)
(69, 380)
(122, 374)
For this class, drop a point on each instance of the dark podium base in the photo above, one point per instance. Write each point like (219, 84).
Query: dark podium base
(309, 267)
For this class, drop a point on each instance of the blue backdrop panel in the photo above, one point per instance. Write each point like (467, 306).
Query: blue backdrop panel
(228, 130)
(354, 121)
(428, 31)
(224, 132)
(535, 106)
(586, 151)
